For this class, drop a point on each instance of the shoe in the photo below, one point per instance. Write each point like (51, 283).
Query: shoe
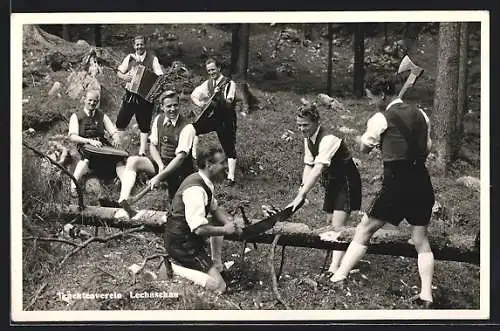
(105, 202)
(229, 183)
(125, 206)
(421, 303)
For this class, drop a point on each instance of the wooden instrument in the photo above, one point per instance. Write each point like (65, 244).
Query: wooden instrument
(145, 83)
(104, 153)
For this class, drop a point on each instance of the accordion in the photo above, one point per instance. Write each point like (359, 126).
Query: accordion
(145, 83)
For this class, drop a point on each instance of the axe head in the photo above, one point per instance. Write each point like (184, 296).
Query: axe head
(407, 64)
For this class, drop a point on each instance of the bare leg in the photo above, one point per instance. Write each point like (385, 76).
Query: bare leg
(212, 280)
(134, 164)
(231, 164)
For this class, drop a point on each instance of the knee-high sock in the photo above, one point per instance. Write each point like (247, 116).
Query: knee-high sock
(426, 270)
(194, 150)
(80, 170)
(353, 254)
(195, 276)
(231, 165)
(143, 142)
(128, 181)
(336, 259)
(216, 251)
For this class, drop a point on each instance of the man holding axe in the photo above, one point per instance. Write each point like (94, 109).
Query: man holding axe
(402, 132)
(216, 98)
(171, 142)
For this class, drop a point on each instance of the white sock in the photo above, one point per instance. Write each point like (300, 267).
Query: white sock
(216, 251)
(128, 181)
(336, 259)
(231, 165)
(426, 270)
(195, 276)
(143, 142)
(353, 254)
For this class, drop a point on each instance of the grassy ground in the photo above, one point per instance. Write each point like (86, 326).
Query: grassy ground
(268, 172)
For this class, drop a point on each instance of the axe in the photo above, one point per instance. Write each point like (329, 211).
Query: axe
(415, 72)
(127, 203)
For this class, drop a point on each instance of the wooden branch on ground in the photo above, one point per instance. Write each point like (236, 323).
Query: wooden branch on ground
(273, 272)
(53, 240)
(97, 239)
(35, 297)
(386, 242)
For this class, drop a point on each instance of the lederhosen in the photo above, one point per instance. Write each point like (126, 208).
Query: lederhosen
(219, 117)
(168, 139)
(340, 179)
(407, 191)
(93, 128)
(133, 104)
(183, 246)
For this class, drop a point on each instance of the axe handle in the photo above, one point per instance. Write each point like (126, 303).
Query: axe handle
(138, 196)
(410, 81)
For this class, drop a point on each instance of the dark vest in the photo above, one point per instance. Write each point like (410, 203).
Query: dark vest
(176, 229)
(90, 127)
(406, 135)
(224, 85)
(148, 61)
(168, 139)
(339, 160)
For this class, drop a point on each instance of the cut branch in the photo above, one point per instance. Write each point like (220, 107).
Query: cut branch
(101, 240)
(53, 240)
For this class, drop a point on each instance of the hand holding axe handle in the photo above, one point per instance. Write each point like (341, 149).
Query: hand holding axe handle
(415, 72)
(127, 203)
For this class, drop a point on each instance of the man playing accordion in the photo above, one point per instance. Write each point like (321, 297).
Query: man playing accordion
(133, 103)
(88, 127)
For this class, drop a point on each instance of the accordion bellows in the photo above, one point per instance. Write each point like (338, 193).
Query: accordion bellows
(145, 83)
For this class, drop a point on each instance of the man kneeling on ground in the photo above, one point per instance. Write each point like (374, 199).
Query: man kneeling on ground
(187, 226)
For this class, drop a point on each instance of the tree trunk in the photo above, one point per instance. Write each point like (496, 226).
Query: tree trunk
(244, 96)
(444, 114)
(330, 63)
(65, 32)
(244, 52)
(462, 84)
(97, 35)
(386, 242)
(385, 34)
(235, 47)
(359, 58)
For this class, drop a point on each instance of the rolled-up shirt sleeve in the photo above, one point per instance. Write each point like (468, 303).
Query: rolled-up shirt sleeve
(328, 146)
(308, 157)
(153, 137)
(157, 67)
(73, 127)
(195, 199)
(123, 67)
(200, 94)
(109, 126)
(375, 126)
(231, 90)
(186, 139)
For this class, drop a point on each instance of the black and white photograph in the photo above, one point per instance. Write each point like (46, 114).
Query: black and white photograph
(250, 166)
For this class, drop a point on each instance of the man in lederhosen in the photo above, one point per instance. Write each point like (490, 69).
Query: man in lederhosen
(171, 140)
(327, 159)
(133, 104)
(88, 126)
(188, 225)
(402, 132)
(220, 116)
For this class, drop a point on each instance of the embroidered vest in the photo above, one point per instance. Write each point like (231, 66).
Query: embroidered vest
(168, 139)
(147, 62)
(90, 127)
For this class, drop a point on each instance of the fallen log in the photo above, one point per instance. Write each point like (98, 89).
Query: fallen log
(459, 248)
